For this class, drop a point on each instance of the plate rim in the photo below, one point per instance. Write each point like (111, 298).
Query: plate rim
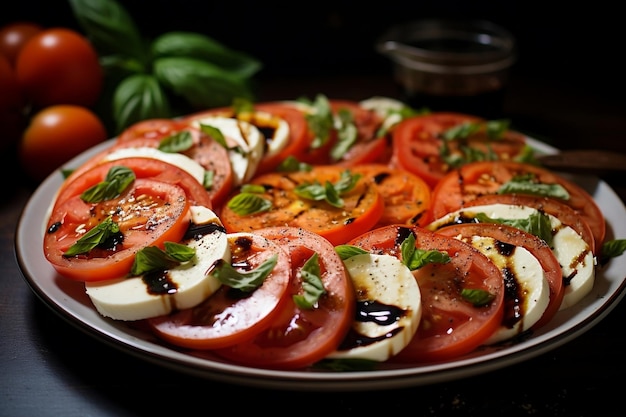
(108, 331)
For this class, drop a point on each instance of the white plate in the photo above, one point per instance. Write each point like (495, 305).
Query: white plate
(69, 299)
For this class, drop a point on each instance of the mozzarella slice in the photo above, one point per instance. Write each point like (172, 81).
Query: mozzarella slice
(248, 143)
(279, 127)
(387, 108)
(573, 253)
(181, 161)
(389, 308)
(131, 298)
(528, 291)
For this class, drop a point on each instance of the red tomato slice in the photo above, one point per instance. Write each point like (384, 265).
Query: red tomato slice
(143, 168)
(229, 316)
(450, 326)
(148, 213)
(481, 178)
(536, 246)
(362, 209)
(406, 196)
(207, 152)
(417, 144)
(300, 337)
(149, 129)
(566, 215)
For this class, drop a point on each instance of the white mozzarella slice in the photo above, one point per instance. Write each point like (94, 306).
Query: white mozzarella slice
(387, 108)
(528, 291)
(248, 147)
(389, 308)
(578, 264)
(279, 126)
(181, 161)
(131, 298)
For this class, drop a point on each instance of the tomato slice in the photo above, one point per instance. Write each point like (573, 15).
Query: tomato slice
(149, 129)
(211, 155)
(567, 215)
(230, 316)
(536, 246)
(148, 213)
(300, 336)
(362, 208)
(406, 196)
(480, 178)
(450, 326)
(417, 144)
(143, 168)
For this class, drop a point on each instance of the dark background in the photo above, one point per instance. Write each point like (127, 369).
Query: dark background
(579, 44)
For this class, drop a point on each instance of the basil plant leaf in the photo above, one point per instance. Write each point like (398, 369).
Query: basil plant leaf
(245, 281)
(116, 181)
(201, 84)
(110, 28)
(94, 237)
(311, 284)
(205, 48)
(139, 97)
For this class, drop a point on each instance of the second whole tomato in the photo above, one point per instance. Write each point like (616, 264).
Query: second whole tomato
(59, 66)
(55, 135)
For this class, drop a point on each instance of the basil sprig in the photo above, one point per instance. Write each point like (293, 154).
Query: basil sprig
(244, 281)
(415, 258)
(97, 236)
(330, 192)
(116, 181)
(311, 284)
(152, 258)
(147, 75)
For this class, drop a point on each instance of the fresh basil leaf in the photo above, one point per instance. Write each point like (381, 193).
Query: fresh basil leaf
(311, 284)
(537, 224)
(291, 164)
(116, 181)
(415, 258)
(347, 135)
(348, 251)
(139, 97)
(177, 142)
(245, 204)
(201, 84)
(208, 180)
(153, 258)
(523, 185)
(94, 237)
(497, 128)
(205, 48)
(110, 29)
(478, 297)
(215, 134)
(320, 121)
(244, 281)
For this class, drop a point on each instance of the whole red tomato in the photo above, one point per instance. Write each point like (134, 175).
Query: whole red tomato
(59, 66)
(55, 135)
(12, 117)
(14, 36)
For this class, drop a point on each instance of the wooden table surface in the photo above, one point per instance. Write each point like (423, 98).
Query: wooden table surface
(50, 368)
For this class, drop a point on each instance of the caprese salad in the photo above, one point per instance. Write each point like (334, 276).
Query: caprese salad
(326, 233)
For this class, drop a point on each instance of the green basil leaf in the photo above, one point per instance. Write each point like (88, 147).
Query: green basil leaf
(205, 48)
(348, 251)
(94, 237)
(244, 281)
(110, 28)
(347, 135)
(116, 181)
(291, 164)
(214, 133)
(311, 284)
(176, 142)
(320, 121)
(537, 224)
(478, 297)
(246, 203)
(525, 185)
(201, 84)
(415, 258)
(139, 97)
(153, 258)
